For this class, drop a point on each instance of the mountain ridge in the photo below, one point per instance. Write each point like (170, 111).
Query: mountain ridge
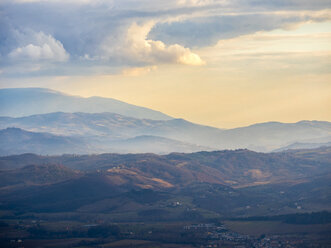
(18, 141)
(17, 102)
(104, 128)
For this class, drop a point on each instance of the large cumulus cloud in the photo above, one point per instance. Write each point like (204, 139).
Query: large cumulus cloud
(131, 33)
(134, 47)
(40, 47)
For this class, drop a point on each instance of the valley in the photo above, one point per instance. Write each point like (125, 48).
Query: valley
(104, 173)
(152, 200)
(165, 124)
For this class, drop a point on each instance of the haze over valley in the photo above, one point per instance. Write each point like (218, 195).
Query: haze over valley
(97, 132)
(96, 178)
(165, 124)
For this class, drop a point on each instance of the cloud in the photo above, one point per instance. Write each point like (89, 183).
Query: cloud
(274, 43)
(208, 30)
(111, 35)
(58, 1)
(138, 71)
(134, 47)
(42, 47)
(284, 4)
(305, 50)
(194, 2)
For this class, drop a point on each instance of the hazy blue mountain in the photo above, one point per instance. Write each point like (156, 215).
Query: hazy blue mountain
(17, 141)
(155, 144)
(110, 125)
(105, 129)
(303, 146)
(17, 102)
(269, 136)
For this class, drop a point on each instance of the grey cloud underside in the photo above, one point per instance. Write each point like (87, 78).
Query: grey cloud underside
(207, 31)
(82, 29)
(79, 31)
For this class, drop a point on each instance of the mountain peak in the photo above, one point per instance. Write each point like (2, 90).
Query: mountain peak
(18, 102)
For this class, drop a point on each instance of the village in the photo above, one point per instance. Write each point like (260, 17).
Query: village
(218, 235)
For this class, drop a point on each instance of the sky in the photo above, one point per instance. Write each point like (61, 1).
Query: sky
(224, 63)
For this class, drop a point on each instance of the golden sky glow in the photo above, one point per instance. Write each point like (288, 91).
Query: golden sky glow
(282, 74)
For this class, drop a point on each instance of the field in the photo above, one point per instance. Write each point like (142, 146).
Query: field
(257, 228)
(143, 243)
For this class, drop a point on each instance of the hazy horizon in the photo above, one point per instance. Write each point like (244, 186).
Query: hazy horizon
(177, 123)
(175, 117)
(219, 63)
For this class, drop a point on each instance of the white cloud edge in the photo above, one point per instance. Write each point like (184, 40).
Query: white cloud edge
(133, 46)
(40, 47)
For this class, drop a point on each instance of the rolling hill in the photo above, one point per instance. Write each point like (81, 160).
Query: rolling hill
(144, 187)
(232, 168)
(37, 175)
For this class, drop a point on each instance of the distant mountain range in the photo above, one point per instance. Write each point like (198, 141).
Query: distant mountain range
(296, 146)
(77, 163)
(58, 133)
(131, 129)
(17, 102)
(18, 141)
